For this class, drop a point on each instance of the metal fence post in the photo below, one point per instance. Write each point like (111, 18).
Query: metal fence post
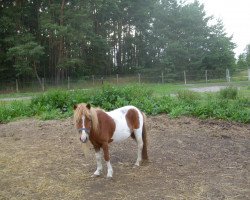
(162, 78)
(43, 84)
(68, 83)
(185, 79)
(227, 75)
(139, 77)
(117, 78)
(17, 89)
(93, 79)
(206, 75)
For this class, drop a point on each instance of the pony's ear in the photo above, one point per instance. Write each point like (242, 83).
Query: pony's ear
(75, 106)
(88, 106)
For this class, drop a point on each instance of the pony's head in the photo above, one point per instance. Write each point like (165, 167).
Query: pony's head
(85, 120)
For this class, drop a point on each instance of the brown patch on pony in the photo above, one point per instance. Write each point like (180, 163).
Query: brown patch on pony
(132, 118)
(103, 137)
(107, 125)
(133, 122)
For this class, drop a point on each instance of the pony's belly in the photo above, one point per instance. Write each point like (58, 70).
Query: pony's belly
(120, 135)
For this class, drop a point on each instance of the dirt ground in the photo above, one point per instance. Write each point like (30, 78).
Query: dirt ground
(189, 159)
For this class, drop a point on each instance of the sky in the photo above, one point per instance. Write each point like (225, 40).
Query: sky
(235, 15)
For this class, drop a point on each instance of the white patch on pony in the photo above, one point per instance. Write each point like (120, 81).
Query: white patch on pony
(122, 131)
(110, 170)
(84, 135)
(98, 156)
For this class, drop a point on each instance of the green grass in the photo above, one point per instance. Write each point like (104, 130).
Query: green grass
(229, 104)
(164, 89)
(17, 95)
(244, 92)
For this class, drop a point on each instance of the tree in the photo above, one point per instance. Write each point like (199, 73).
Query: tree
(248, 55)
(219, 55)
(182, 32)
(243, 61)
(59, 38)
(26, 58)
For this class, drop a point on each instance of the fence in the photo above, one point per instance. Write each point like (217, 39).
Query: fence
(185, 77)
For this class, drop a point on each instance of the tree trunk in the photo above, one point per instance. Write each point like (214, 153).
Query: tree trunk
(59, 70)
(37, 76)
(119, 49)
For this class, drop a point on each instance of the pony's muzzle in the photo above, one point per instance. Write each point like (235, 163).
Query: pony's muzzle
(84, 139)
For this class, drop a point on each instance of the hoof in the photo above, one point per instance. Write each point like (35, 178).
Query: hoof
(95, 176)
(137, 164)
(109, 178)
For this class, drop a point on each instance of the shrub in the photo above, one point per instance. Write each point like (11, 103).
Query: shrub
(58, 104)
(59, 99)
(13, 110)
(188, 96)
(111, 97)
(229, 93)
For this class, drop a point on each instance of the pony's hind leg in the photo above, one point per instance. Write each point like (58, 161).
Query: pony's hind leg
(138, 137)
(99, 163)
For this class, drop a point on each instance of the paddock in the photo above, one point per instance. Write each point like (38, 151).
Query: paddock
(189, 159)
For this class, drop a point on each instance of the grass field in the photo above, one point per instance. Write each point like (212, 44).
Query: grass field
(158, 89)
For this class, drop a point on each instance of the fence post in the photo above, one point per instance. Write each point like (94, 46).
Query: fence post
(93, 79)
(139, 77)
(43, 84)
(162, 78)
(206, 75)
(68, 83)
(185, 79)
(249, 74)
(117, 78)
(17, 89)
(227, 75)
(102, 80)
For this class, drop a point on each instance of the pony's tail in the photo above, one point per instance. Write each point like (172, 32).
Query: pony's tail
(144, 139)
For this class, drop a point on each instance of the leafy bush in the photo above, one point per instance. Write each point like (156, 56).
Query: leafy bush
(52, 100)
(188, 96)
(13, 110)
(59, 100)
(58, 104)
(111, 97)
(228, 93)
(166, 104)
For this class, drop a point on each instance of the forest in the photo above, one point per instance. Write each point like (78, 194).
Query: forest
(55, 39)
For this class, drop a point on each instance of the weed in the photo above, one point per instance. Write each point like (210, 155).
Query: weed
(229, 93)
(188, 96)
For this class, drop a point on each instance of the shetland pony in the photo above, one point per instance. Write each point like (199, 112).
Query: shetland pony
(102, 128)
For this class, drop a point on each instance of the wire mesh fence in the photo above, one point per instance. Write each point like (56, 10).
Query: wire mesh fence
(184, 77)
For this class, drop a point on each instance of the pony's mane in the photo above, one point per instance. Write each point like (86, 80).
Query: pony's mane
(91, 114)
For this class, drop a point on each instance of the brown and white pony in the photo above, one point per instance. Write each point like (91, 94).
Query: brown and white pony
(102, 128)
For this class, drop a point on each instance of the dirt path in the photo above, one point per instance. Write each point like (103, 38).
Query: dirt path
(208, 89)
(190, 159)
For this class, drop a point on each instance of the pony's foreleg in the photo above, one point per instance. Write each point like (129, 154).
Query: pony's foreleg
(138, 136)
(107, 159)
(99, 163)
